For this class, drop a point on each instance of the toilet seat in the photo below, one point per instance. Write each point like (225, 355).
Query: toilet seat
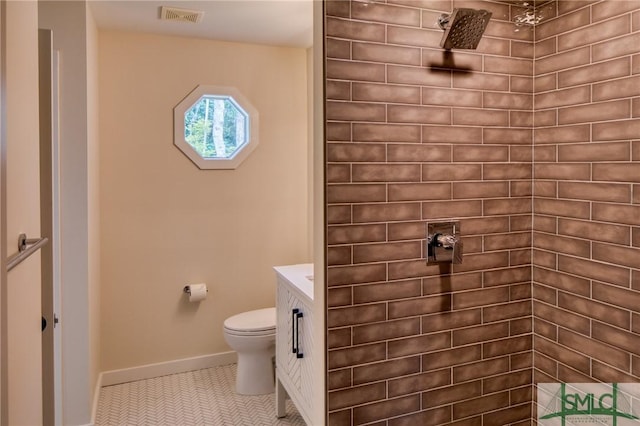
(250, 333)
(252, 323)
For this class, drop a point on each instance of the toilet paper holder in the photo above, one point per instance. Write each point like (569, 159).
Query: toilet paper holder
(196, 292)
(187, 289)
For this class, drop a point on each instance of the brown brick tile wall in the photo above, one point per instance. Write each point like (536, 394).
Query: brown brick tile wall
(533, 146)
(585, 175)
(413, 135)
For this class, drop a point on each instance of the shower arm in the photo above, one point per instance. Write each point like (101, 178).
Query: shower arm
(443, 20)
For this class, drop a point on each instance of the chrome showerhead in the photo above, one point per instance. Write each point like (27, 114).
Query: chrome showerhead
(463, 28)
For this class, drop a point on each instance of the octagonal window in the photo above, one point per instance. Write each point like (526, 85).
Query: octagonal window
(215, 127)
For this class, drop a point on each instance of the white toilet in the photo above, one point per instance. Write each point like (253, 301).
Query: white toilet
(252, 335)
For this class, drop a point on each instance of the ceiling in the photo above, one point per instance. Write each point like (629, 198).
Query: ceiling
(271, 22)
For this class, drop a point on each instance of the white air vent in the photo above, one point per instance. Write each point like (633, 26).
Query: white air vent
(182, 15)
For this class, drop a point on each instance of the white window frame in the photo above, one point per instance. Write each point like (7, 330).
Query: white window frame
(215, 163)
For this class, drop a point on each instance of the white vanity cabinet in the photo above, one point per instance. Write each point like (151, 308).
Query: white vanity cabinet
(294, 338)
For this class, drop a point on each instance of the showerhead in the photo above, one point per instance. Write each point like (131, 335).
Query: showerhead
(463, 28)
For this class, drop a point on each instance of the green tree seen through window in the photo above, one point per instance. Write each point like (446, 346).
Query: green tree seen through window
(216, 127)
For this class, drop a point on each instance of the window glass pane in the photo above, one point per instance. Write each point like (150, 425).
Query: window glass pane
(216, 127)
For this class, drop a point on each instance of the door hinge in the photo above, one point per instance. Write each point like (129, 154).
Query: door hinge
(56, 320)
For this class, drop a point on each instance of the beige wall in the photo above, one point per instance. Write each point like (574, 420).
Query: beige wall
(165, 223)
(310, 145)
(23, 206)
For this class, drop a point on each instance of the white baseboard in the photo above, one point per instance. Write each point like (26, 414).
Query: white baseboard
(114, 377)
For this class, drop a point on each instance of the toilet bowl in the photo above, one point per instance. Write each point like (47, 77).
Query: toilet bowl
(252, 335)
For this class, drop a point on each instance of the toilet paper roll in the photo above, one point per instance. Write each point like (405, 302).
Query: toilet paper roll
(197, 292)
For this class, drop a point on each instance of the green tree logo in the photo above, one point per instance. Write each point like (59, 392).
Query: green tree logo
(586, 407)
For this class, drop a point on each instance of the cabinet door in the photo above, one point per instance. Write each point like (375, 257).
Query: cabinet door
(283, 335)
(286, 335)
(306, 362)
(294, 338)
(295, 332)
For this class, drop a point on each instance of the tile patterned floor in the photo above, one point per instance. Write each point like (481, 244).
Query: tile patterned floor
(202, 397)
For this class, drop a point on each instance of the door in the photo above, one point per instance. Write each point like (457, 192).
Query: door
(23, 311)
(3, 222)
(49, 228)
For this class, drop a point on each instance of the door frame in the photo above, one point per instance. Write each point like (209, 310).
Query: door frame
(55, 242)
(50, 227)
(4, 396)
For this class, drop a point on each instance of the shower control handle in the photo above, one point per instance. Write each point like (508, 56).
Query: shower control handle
(447, 241)
(444, 244)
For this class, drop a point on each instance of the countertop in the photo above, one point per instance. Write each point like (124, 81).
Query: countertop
(300, 276)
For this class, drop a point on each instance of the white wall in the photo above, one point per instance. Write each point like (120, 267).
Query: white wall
(165, 223)
(23, 213)
(75, 37)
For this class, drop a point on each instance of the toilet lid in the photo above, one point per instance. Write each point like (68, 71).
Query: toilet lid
(258, 320)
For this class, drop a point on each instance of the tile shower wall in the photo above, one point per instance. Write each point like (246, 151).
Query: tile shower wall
(417, 134)
(586, 277)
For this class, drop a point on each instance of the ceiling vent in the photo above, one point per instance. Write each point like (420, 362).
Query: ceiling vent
(181, 15)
